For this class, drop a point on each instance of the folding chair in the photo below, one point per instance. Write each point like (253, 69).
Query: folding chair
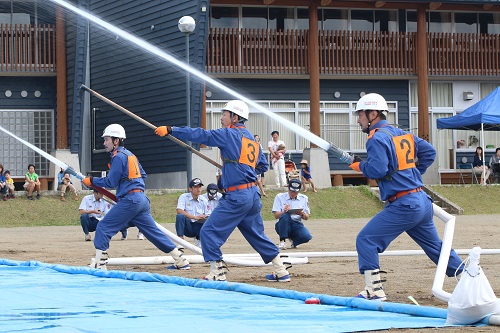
(475, 175)
(465, 173)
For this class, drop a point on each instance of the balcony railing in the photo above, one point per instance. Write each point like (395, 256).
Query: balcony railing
(261, 51)
(27, 48)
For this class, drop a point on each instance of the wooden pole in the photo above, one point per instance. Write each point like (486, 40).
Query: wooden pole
(422, 71)
(61, 110)
(313, 55)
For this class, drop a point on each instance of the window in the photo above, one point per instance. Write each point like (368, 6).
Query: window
(362, 20)
(303, 19)
(291, 18)
(334, 19)
(386, 20)
(466, 23)
(441, 95)
(34, 126)
(411, 21)
(281, 18)
(224, 17)
(439, 22)
(489, 23)
(254, 17)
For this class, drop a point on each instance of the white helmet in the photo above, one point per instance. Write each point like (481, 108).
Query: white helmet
(372, 102)
(114, 130)
(237, 107)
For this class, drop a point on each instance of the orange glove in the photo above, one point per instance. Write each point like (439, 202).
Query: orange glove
(355, 164)
(163, 130)
(87, 181)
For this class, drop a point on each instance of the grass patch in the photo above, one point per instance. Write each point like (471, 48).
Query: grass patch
(331, 203)
(474, 199)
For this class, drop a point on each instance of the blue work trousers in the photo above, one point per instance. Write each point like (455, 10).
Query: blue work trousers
(89, 224)
(296, 231)
(413, 214)
(185, 227)
(237, 209)
(133, 208)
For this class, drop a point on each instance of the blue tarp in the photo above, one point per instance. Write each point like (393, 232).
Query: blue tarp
(56, 298)
(486, 112)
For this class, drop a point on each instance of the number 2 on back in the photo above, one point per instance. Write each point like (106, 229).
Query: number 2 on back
(405, 151)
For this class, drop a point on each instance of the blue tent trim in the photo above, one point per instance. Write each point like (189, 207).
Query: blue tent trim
(486, 112)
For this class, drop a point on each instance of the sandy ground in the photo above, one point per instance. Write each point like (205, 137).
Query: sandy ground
(406, 275)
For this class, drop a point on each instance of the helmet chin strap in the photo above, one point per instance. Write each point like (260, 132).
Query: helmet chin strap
(367, 112)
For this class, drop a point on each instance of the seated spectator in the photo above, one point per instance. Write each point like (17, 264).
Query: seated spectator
(290, 208)
(32, 183)
(480, 167)
(192, 212)
(3, 185)
(213, 196)
(10, 184)
(305, 172)
(64, 181)
(92, 210)
(495, 165)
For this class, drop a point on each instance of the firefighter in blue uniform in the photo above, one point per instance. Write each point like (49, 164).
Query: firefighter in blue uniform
(392, 161)
(127, 176)
(240, 207)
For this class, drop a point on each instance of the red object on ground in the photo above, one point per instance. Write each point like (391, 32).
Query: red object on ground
(312, 300)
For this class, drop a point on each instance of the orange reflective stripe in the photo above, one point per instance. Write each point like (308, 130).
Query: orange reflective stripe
(133, 167)
(405, 151)
(249, 152)
(372, 132)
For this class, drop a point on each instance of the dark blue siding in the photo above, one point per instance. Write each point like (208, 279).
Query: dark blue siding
(30, 84)
(143, 83)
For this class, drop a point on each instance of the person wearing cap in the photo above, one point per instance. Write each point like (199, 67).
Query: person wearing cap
(213, 196)
(290, 208)
(192, 212)
(306, 176)
(240, 207)
(392, 156)
(127, 176)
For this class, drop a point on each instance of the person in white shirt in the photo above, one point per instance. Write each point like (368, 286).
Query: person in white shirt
(92, 210)
(213, 196)
(192, 212)
(290, 208)
(277, 154)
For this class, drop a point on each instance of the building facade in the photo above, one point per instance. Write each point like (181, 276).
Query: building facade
(308, 61)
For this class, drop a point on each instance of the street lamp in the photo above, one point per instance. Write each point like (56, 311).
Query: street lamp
(187, 25)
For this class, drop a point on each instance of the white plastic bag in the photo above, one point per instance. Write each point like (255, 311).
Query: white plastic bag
(473, 298)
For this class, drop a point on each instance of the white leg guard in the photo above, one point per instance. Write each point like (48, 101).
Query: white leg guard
(179, 261)
(100, 261)
(373, 289)
(218, 270)
(280, 273)
(279, 267)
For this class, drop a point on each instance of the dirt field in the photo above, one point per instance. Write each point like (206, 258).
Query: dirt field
(407, 275)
